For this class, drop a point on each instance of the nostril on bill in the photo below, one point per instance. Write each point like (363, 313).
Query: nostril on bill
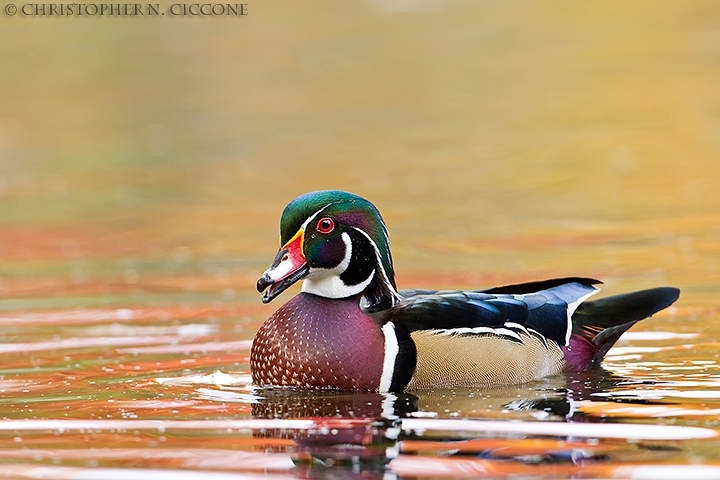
(264, 282)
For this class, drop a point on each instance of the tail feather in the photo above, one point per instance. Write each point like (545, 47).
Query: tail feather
(598, 324)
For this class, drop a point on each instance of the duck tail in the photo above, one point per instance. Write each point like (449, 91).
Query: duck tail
(598, 324)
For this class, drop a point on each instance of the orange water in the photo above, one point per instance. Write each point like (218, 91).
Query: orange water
(144, 163)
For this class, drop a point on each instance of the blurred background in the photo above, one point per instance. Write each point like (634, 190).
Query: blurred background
(147, 160)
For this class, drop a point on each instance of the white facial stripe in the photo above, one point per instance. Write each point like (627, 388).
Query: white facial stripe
(387, 235)
(285, 267)
(384, 277)
(341, 267)
(326, 282)
(307, 220)
(391, 352)
(333, 286)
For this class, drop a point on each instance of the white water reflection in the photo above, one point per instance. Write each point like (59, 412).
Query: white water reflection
(217, 378)
(420, 426)
(580, 430)
(660, 394)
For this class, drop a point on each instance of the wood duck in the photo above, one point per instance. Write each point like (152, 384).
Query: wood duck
(351, 329)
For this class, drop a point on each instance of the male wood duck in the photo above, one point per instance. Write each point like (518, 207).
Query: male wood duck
(351, 329)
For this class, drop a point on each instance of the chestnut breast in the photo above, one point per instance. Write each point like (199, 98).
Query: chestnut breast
(317, 342)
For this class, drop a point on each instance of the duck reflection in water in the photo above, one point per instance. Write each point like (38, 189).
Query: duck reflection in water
(363, 431)
(352, 430)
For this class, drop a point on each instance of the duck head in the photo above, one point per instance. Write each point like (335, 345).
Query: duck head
(337, 243)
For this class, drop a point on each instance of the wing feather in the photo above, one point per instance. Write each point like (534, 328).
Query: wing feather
(504, 311)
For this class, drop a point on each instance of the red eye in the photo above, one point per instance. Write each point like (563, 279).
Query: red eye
(325, 225)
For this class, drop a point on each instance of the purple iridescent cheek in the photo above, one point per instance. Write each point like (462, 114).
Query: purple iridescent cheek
(324, 253)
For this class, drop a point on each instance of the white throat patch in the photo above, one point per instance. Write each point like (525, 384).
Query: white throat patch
(326, 282)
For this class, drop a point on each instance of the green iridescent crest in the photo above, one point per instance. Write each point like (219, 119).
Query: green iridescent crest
(346, 209)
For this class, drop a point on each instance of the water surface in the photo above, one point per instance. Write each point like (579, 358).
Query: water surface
(144, 164)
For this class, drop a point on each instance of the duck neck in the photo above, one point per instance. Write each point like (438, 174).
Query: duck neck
(361, 272)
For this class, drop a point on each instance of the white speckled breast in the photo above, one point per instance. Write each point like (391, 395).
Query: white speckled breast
(316, 342)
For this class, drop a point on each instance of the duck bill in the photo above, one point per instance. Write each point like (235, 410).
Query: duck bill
(288, 267)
